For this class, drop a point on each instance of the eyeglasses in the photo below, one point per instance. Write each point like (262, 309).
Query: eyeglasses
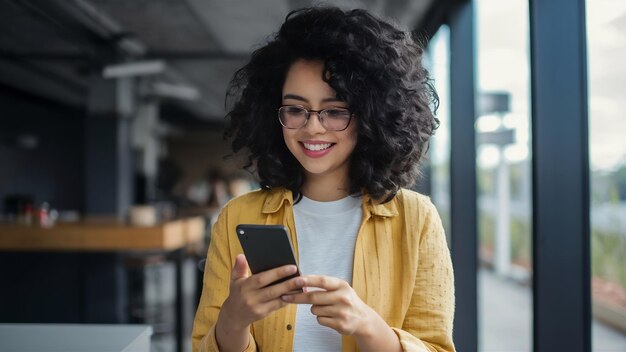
(333, 119)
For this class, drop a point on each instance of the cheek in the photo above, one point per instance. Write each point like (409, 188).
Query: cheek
(289, 138)
(352, 138)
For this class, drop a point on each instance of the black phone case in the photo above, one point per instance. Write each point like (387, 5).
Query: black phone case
(266, 247)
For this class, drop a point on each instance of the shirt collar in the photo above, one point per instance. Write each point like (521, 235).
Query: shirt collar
(279, 196)
(385, 209)
(275, 200)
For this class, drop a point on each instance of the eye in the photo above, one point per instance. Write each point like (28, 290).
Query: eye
(337, 113)
(294, 110)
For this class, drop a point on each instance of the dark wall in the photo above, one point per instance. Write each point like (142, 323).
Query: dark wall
(53, 170)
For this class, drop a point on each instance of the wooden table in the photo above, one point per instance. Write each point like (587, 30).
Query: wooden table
(94, 235)
(101, 237)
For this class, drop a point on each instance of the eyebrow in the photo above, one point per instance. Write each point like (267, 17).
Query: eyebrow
(297, 97)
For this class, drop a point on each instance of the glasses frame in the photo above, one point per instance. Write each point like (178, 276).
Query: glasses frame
(319, 116)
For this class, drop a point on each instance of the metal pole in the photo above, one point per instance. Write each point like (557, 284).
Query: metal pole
(561, 265)
(463, 175)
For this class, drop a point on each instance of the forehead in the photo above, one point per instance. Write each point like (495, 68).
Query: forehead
(304, 78)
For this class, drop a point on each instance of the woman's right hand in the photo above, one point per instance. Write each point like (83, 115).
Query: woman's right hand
(250, 299)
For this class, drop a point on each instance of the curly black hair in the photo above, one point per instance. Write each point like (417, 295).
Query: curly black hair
(372, 65)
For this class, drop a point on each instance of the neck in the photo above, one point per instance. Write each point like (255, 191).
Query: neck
(326, 188)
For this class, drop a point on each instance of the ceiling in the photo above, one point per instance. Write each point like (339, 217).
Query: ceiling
(54, 48)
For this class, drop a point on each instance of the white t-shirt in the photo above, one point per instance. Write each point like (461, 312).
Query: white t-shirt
(326, 234)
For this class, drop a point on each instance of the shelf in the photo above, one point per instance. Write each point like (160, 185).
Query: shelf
(102, 236)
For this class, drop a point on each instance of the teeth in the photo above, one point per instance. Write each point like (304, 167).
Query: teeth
(317, 147)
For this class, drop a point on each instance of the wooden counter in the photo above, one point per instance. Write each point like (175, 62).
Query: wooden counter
(99, 236)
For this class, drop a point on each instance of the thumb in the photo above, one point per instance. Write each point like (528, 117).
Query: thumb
(240, 270)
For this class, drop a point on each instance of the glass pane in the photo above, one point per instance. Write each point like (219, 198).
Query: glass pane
(503, 175)
(606, 53)
(438, 63)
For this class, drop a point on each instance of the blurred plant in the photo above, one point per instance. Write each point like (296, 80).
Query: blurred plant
(608, 255)
(486, 232)
(486, 181)
(517, 174)
(609, 186)
(619, 179)
(521, 242)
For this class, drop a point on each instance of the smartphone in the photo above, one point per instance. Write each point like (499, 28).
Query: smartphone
(267, 247)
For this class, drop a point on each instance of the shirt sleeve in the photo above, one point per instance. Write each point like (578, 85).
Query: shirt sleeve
(428, 323)
(215, 287)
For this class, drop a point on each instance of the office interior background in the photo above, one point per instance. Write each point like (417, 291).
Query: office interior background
(111, 114)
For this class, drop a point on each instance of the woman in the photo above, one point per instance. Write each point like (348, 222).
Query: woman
(335, 114)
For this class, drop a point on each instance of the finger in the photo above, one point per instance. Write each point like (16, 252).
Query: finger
(315, 297)
(275, 304)
(325, 311)
(240, 269)
(265, 278)
(266, 308)
(331, 323)
(288, 287)
(328, 283)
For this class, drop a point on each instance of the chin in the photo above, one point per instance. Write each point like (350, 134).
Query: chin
(315, 169)
(322, 169)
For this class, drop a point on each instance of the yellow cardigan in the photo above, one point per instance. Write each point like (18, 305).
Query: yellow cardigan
(402, 269)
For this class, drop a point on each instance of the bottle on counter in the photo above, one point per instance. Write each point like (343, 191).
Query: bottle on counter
(28, 215)
(42, 214)
(46, 216)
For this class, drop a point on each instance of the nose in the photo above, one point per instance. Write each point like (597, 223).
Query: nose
(314, 125)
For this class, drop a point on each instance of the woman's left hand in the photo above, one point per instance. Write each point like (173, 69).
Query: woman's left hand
(337, 307)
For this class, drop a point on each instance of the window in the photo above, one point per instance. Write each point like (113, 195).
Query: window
(438, 63)
(606, 54)
(503, 175)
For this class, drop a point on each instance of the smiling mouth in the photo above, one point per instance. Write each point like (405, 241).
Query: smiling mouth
(317, 147)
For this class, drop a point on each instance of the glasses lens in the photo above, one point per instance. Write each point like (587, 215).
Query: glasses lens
(292, 116)
(336, 119)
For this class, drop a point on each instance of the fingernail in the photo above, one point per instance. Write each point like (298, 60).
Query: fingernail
(286, 298)
(300, 282)
(290, 269)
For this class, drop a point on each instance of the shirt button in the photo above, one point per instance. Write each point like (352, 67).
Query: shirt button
(288, 326)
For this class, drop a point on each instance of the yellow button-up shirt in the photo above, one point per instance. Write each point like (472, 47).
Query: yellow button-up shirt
(401, 269)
